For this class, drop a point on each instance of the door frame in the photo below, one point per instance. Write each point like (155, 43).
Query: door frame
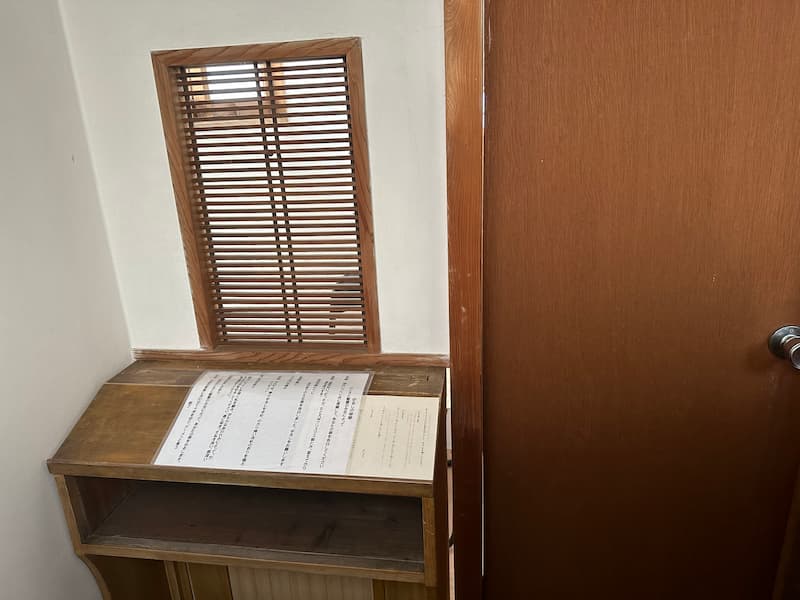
(464, 68)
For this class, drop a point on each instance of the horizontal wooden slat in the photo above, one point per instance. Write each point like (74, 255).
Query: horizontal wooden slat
(332, 153)
(325, 193)
(255, 118)
(255, 243)
(273, 302)
(329, 290)
(287, 170)
(316, 253)
(273, 231)
(299, 236)
(280, 321)
(210, 129)
(277, 176)
(309, 338)
(219, 276)
(281, 241)
(313, 178)
(288, 129)
(239, 267)
(275, 182)
(201, 82)
(340, 83)
(307, 138)
(243, 113)
(278, 214)
(252, 221)
(281, 280)
(277, 207)
(282, 111)
(296, 140)
(337, 161)
(276, 200)
(314, 312)
(332, 328)
(331, 294)
(190, 76)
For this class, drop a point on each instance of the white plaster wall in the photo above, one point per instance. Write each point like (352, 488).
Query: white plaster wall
(110, 43)
(62, 330)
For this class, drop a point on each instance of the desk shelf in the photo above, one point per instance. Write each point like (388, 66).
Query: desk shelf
(331, 533)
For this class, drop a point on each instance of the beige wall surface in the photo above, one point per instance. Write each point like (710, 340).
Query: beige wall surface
(62, 330)
(110, 43)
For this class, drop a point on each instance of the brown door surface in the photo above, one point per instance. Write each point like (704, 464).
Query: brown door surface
(642, 239)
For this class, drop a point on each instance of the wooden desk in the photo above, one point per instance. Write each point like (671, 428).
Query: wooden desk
(150, 531)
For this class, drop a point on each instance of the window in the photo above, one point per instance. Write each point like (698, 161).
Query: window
(268, 153)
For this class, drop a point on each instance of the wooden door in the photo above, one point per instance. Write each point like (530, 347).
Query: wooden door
(642, 240)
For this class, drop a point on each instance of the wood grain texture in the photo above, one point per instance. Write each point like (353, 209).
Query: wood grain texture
(271, 584)
(328, 483)
(187, 218)
(429, 541)
(180, 587)
(358, 119)
(272, 357)
(396, 381)
(787, 578)
(76, 522)
(94, 499)
(464, 84)
(128, 579)
(209, 582)
(120, 432)
(251, 52)
(391, 590)
(348, 533)
(642, 168)
(442, 507)
(124, 424)
(436, 522)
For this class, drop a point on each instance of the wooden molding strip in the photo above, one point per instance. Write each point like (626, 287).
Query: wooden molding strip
(361, 359)
(464, 56)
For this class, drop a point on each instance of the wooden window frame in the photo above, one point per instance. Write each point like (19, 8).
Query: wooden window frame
(350, 49)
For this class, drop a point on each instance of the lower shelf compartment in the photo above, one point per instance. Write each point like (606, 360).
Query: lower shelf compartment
(326, 532)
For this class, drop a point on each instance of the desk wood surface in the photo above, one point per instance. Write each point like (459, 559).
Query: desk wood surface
(120, 432)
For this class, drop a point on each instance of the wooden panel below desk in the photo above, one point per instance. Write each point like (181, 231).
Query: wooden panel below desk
(393, 590)
(269, 584)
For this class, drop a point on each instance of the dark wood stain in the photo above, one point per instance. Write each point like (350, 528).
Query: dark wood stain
(641, 242)
(463, 20)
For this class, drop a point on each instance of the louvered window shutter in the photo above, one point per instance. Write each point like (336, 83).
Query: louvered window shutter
(268, 152)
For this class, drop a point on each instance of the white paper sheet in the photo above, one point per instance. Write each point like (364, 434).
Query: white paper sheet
(396, 437)
(267, 421)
